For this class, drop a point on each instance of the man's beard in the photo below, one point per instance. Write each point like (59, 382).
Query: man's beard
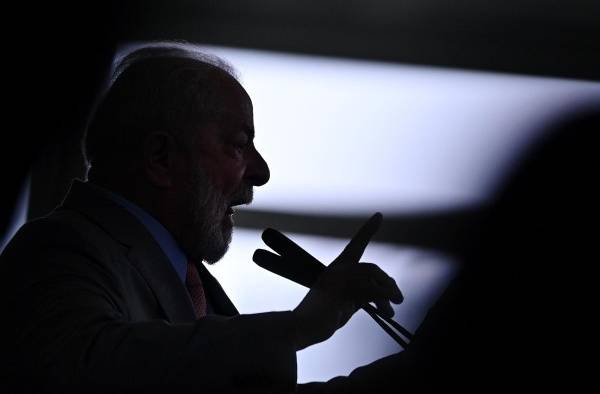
(209, 229)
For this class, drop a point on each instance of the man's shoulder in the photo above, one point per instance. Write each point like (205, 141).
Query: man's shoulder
(63, 229)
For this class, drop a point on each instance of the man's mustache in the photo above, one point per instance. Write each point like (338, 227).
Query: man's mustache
(243, 196)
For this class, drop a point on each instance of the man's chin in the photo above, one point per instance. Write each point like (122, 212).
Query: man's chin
(209, 246)
(214, 256)
(219, 248)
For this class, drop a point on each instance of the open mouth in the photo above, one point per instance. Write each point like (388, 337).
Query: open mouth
(230, 210)
(235, 204)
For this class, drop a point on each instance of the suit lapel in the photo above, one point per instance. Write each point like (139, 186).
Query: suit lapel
(219, 300)
(170, 292)
(144, 252)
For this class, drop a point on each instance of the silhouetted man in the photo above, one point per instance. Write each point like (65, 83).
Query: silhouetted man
(109, 293)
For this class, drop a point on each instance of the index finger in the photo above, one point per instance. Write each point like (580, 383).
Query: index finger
(357, 245)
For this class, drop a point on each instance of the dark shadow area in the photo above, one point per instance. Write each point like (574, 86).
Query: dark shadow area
(517, 36)
(69, 49)
(520, 312)
(446, 231)
(59, 56)
(517, 316)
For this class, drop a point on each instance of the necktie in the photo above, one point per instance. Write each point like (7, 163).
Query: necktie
(196, 290)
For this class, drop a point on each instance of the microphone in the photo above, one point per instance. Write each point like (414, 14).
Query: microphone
(299, 266)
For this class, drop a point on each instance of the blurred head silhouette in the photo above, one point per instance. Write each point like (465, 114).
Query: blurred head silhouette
(173, 132)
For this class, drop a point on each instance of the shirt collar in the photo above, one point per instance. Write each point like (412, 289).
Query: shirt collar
(163, 237)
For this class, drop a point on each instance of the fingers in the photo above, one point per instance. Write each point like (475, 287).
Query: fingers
(361, 283)
(367, 290)
(355, 248)
(266, 259)
(277, 241)
(384, 308)
(337, 295)
(294, 263)
(384, 281)
(262, 254)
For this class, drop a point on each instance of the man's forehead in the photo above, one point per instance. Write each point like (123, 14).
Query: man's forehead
(237, 111)
(231, 96)
(234, 121)
(232, 102)
(229, 107)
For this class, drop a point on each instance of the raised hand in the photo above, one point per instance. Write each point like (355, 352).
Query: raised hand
(340, 290)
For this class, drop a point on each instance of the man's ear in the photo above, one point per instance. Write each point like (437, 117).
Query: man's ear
(159, 158)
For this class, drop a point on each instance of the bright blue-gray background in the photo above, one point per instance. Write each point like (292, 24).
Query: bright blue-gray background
(354, 137)
(351, 137)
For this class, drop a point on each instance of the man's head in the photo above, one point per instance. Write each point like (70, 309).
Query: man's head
(174, 133)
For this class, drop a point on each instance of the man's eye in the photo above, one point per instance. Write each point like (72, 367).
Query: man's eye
(239, 143)
(239, 147)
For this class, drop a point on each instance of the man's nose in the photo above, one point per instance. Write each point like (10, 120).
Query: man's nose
(257, 171)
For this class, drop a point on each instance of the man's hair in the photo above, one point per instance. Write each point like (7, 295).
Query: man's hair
(165, 86)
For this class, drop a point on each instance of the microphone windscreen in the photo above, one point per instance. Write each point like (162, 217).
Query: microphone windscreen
(287, 268)
(288, 249)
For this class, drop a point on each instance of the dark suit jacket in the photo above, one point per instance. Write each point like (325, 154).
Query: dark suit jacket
(93, 303)
(89, 299)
